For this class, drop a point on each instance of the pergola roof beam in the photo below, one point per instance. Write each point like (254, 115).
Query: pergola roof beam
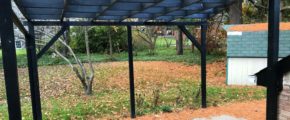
(181, 5)
(120, 10)
(143, 7)
(21, 9)
(104, 9)
(18, 23)
(89, 23)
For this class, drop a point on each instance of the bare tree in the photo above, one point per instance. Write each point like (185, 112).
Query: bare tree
(66, 38)
(111, 30)
(110, 44)
(179, 43)
(262, 5)
(167, 33)
(168, 41)
(86, 78)
(149, 35)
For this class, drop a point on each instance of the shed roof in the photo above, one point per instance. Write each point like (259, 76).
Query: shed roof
(257, 27)
(121, 10)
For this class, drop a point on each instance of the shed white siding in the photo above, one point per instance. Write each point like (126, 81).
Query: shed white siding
(286, 79)
(240, 70)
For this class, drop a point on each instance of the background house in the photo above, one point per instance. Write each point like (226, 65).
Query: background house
(247, 50)
(19, 39)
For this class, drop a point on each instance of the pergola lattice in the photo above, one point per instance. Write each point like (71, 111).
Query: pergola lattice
(128, 13)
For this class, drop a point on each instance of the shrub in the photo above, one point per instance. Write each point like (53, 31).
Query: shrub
(166, 108)
(99, 39)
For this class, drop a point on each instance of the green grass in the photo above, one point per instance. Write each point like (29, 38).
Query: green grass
(162, 43)
(19, 52)
(113, 102)
(107, 103)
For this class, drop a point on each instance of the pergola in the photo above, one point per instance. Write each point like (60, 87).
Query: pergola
(128, 13)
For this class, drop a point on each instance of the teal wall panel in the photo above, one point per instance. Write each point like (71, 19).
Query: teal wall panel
(255, 44)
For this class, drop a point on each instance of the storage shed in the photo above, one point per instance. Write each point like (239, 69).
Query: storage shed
(247, 50)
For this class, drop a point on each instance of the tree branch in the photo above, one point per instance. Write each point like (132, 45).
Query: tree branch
(73, 67)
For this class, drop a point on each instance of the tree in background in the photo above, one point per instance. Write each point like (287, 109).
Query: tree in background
(66, 39)
(167, 35)
(235, 12)
(149, 35)
(86, 78)
(179, 43)
(112, 30)
(100, 39)
(256, 10)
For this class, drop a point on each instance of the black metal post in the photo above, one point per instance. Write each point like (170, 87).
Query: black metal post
(179, 43)
(9, 60)
(203, 65)
(273, 52)
(33, 73)
(131, 71)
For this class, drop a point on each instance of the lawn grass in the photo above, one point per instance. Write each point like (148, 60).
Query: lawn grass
(19, 52)
(63, 99)
(114, 103)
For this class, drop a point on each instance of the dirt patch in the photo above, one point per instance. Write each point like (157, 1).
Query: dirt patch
(251, 110)
(158, 72)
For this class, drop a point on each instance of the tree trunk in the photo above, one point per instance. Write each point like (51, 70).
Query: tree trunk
(179, 44)
(111, 44)
(66, 39)
(281, 13)
(235, 13)
(192, 48)
(151, 48)
(89, 90)
(85, 78)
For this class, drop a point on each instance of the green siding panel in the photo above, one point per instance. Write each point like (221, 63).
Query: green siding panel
(255, 44)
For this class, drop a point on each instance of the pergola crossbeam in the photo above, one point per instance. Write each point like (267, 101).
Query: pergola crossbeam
(202, 48)
(18, 23)
(52, 41)
(75, 23)
(190, 37)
